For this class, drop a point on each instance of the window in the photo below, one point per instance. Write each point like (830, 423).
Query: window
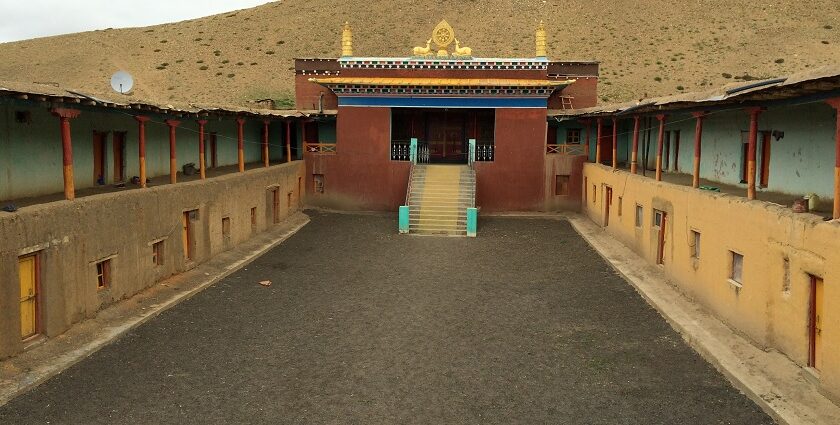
(639, 215)
(23, 117)
(695, 246)
(573, 136)
(620, 202)
(226, 229)
(157, 253)
(594, 193)
(657, 218)
(318, 183)
(103, 274)
(736, 272)
(561, 185)
(585, 192)
(253, 219)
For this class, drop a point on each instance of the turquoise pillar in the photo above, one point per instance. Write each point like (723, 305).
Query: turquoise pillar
(472, 222)
(404, 219)
(472, 152)
(413, 150)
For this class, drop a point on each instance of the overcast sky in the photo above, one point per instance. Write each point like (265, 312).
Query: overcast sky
(22, 19)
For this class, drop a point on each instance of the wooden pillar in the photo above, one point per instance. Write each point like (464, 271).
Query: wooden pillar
(615, 143)
(634, 156)
(289, 141)
(202, 165)
(64, 116)
(173, 162)
(588, 124)
(265, 142)
(751, 147)
(600, 123)
(141, 145)
(835, 103)
(659, 143)
(240, 143)
(698, 133)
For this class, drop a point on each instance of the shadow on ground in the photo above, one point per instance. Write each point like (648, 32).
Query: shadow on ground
(524, 324)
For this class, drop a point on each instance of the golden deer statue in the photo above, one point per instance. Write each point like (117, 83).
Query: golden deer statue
(461, 51)
(424, 51)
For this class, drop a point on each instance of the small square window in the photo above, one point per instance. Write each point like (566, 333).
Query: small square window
(695, 247)
(103, 274)
(561, 185)
(573, 136)
(736, 272)
(23, 117)
(639, 215)
(657, 218)
(157, 253)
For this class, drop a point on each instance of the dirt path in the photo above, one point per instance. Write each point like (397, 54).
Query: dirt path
(524, 324)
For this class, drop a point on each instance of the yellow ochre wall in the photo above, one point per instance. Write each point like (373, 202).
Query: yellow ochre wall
(772, 307)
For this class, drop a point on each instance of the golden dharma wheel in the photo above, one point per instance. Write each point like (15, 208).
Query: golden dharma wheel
(443, 34)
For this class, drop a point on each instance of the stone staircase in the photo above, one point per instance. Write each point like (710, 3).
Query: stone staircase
(438, 199)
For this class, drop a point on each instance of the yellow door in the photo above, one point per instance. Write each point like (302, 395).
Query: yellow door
(28, 297)
(818, 312)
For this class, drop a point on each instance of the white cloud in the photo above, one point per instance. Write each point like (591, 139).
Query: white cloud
(20, 20)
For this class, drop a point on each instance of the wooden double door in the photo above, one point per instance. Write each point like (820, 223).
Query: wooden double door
(447, 136)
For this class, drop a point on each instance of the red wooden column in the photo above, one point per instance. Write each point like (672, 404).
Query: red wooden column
(660, 140)
(240, 143)
(288, 141)
(141, 144)
(600, 123)
(634, 156)
(698, 133)
(64, 116)
(588, 124)
(615, 143)
(265, 142)
(202, 166)
(835, 103)
(754, 112)
(173, 162)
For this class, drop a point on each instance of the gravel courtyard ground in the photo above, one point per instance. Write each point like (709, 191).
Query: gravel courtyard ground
(524, 324)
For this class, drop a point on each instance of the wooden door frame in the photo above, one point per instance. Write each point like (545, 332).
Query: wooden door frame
(812, 320)
(37, 266)
(660, 238)
(119, 166)
(764, 171)
(214, 150)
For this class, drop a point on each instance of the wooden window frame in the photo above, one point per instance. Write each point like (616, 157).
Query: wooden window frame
(573, 136)
(736, 268)
(103, 274)
(562, 185)
(157, 253)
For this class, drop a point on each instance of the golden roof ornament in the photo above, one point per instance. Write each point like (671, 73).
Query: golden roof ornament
(347, 41)
(443, 36)
(540, 41)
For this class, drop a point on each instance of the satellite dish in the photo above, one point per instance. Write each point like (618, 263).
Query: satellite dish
(122, 82)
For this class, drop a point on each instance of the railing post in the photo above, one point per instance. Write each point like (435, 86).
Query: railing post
(472, 222)
(471, 152)
(403, 219)
(412, 150)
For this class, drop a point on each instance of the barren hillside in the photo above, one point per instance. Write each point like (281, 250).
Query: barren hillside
(647, 47)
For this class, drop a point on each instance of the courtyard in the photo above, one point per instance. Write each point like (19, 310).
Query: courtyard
(524, 324)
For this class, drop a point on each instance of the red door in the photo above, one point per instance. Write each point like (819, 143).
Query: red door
(99, 148)
(446, 136)
(605, 143)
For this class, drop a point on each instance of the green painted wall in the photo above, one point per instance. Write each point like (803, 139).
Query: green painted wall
(31, 158)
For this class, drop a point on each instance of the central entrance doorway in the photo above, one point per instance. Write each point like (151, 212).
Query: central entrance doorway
(444, 132)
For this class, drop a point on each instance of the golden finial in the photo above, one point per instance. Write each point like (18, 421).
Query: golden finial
(540, 39)
(347, 41)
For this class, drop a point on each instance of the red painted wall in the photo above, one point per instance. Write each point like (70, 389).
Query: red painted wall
(515, 180)
(308, 93)
(361, 175)
(584, 91)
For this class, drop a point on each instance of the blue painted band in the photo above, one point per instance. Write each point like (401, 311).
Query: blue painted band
(444, 102)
